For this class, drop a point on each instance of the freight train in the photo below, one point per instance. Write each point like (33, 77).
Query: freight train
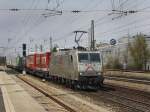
(15, 62)
(75, 68)
(38, 64)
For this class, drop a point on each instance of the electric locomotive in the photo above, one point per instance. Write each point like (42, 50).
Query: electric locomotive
(76, 68)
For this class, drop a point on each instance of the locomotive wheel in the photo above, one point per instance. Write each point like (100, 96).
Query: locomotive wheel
(59, 80)
(72, 84)
(63, 81)
(68, 83)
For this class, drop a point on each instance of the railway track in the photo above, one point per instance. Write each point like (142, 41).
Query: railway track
(117, 99)
(124, 90)
(119, 102)
(139, 81)
(125, 103)
(65, 98)
(37, 87)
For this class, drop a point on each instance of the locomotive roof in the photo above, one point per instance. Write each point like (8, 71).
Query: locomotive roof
(69, 52)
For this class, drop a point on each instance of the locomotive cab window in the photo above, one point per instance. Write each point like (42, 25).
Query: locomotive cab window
(83, 57)
(94, 57)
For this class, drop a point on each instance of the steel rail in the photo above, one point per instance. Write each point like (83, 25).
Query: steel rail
(119, 102)
(126, 98)
(48, 95)
(140, 81)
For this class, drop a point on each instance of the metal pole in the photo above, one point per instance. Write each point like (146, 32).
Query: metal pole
(51, 45)
(92, 36)
(36, 47)
(41, 48)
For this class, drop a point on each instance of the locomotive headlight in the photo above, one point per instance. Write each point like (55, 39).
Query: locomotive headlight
(99, 73)
(81, 73)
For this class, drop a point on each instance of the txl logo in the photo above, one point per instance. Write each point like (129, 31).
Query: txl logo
(89, 68)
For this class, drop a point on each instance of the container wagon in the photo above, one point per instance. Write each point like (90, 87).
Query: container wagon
(38, 64)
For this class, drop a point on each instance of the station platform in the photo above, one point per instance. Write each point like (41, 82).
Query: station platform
(13, 98)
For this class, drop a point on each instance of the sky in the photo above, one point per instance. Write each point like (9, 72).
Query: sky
(28, 25)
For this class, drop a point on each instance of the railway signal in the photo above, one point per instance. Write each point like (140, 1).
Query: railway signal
(24, 56)
(24, 50)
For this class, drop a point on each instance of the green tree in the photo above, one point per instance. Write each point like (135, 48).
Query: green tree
(54, 49)
(113, 63)
(139, 52)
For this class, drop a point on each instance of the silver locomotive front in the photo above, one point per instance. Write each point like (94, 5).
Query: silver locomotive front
(90, 68)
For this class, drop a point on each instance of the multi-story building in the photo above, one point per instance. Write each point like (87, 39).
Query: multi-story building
(121, 51)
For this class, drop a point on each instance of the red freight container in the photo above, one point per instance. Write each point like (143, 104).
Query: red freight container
(45, 60)
(31, 61)
(38, 62)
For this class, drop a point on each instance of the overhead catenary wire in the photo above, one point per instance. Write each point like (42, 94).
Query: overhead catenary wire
(74, 20)
(133, 6)
(26, 20)
(108, 21)
(126, 29)
(61, 38)
(123, 33)
(25, 33)
(144, 8)
(23, 23)
(100, 34)
(102, 18)
(83, 12)
(125, 25)
(35, 8)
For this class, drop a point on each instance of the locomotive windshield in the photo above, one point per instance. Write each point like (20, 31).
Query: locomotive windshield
(89, 57)
(83, 57)
(94, 57)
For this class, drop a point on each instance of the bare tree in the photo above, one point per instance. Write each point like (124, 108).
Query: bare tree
(139, 52)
